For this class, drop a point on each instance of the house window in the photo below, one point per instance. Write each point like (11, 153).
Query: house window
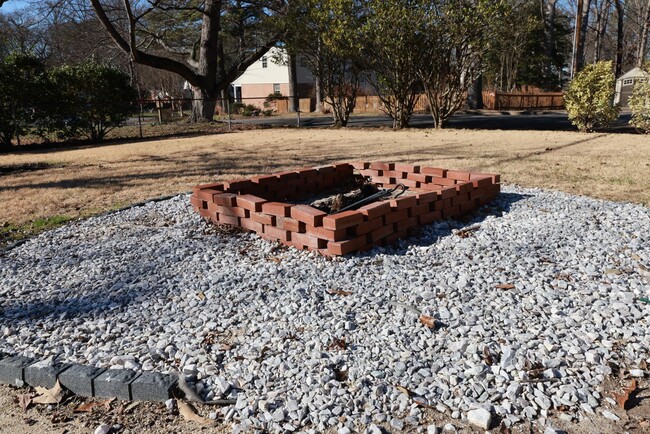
(265, 62)
(628, 82)
(276, 88)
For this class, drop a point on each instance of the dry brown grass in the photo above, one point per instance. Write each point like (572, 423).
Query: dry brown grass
(79, 182)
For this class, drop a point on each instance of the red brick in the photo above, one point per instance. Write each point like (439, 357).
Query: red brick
(378, 165)
(443, 181)
(233, 211)
(395, 216)
(403, 202)
(394, 174)
(396, 236)
(345, 247)
(435, 171)
(344, 169)
(285, 176)
(465, 187)
(307, 240)
(213, 186)
(371, 173)
(214, 217)
(277, 233)
(448, 192)
(406, 224)
(308, 214)
(327, 234)
(225, 199)
(369, 226)
(409, 183)
(360, 165)
(384, 180)
(380, 233)
(251, 225)
(228, 220)
(430, 217)
(277, 208)
(409, 168)
(328, 168)
(196, 202)
(237, 186)
(265, 180)
(264, 219)
(203, 212)
(430, 196)
(342, 220)
(250, 202)
(207, 194)
(290, 224)
(374, 210)
(420, 209)
(460, 176)
(495, 178)
(307, 173)
(420, 177)
(430, 187)
(481, 182)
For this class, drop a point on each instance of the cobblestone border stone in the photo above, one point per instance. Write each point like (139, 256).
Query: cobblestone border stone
(88, 381)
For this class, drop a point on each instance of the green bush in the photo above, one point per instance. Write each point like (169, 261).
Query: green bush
(92, 100)
(589, 97)
(250, 110)
(23, 96)
(640, 104)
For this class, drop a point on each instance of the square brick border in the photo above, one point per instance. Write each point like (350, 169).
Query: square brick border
(262, 204)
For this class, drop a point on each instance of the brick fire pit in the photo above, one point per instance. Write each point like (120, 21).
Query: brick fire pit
(270, 205)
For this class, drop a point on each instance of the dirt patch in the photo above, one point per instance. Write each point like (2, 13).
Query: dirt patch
(154, 418)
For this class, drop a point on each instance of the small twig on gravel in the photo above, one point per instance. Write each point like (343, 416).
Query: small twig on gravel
(192, 396)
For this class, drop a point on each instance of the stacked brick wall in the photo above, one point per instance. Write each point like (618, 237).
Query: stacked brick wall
(264, 204)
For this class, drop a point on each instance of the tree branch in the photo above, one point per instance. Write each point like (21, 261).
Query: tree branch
(141, 57)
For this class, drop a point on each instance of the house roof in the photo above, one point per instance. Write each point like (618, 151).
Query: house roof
(634, 72)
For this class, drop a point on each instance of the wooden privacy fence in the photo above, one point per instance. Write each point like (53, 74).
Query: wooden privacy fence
(523, 101)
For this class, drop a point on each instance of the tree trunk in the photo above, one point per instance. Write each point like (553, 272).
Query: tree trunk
(293, 84)
(318, 89)
(475, 94)
(643, 35)
(618, 68)
(549, 33)
(583, 34)
(602, 19)
(203, 105)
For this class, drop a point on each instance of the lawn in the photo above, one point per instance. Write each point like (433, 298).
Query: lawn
(44, 188)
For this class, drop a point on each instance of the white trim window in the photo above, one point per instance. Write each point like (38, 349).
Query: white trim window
(265, 62)
(276, 87)
(628, 82)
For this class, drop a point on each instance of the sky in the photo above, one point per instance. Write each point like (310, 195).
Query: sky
(13, 5)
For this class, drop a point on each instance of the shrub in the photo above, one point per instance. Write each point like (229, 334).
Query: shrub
(590, 95)
(640, 105)
(250, 110)
(23, 84)
(92, 100)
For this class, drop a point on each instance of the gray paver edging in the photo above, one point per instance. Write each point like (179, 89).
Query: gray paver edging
(87, 381)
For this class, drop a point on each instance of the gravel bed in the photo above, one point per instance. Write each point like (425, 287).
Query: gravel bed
(534, 306)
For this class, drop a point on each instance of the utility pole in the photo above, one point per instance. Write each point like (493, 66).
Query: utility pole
(576, 40)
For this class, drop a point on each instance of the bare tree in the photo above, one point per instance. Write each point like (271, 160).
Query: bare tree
(229, 36)
(644, 26)
(603, 9)
(620, 28)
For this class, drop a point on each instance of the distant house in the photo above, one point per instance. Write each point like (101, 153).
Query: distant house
(625, 85)
(270, 74)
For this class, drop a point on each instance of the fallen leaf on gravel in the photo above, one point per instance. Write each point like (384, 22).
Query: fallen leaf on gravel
(467, 232)
(49, 396)
(274, 259)
(429, 321)
(338, 292)
(622, 398)
(88, 406)
(613, 271)
(337, 344)
(487, 357)
(505, 286)
(188, 413)
(404, 390)
(201, 295)
(128, 408)
(190, 394)
(24, 400)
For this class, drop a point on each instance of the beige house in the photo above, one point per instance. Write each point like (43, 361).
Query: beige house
(625, 85)
(270, 74)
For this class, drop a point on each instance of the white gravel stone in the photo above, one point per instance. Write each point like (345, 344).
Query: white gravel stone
(609, 415)
(102, 429)
(480, 418)
(155, 288)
